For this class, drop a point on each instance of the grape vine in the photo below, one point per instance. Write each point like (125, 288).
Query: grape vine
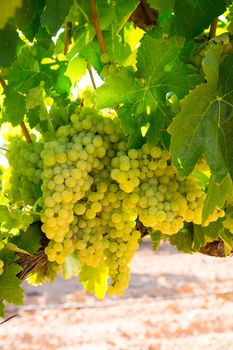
(145, 150)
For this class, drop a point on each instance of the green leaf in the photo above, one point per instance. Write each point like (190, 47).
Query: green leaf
(76, 68)
(12, 220)
(14, 248)
(216, 196)
(15, 108)
(162, 5)
(204, 235)
(3, 199)
(28, 17)
(25, 72)
(94, 279)
(183, 241)
(198, 238)
(191, 17)
(28, 240)
(114, 14)
(156, 238)
(204, 125)
(159, 71)
(55, 13)
(10, 285)
(227, 238)
(70, 266)
(8, 9)
(213, 230)
(9, 39)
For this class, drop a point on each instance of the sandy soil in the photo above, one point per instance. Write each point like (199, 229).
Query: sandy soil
(175, 302)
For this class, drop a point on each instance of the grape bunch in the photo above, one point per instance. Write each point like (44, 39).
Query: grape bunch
(95, 190)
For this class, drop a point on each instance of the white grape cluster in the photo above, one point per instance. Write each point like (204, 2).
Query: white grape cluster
(25, 169)
(94, 190)
(164, 200)
(84, 209)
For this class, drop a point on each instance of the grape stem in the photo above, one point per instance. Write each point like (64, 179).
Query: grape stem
(91, 75)
(67, 37)
(23, 126)
(26, 133)
(95, 21)
(213, 28)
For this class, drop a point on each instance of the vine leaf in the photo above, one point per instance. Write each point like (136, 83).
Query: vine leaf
(162, 5)
(15, 108)
(28, 240)
(227, 238)
(115, 14)
(205, 123)
(94, 279)
(203, 235)
(9, 40)
(159, 71)
(10, 285)
(191, 17)
(55, 13)
(216, 196)
(70, 266)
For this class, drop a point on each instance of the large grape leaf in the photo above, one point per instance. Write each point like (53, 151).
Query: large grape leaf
(205, 123)
(10, 285)
(55, 13)
(191, 17)
(143, 95)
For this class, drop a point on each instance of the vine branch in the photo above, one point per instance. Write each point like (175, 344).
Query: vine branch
(213, 28)
(22, 125)
(95, 21)
(25, 132)
(67, 37)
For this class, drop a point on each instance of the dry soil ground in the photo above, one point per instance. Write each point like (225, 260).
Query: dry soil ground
(175, 302)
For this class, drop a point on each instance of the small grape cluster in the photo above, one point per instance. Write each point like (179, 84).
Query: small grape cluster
(25, 169)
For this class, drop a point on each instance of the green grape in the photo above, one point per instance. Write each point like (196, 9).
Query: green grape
(104, 58)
